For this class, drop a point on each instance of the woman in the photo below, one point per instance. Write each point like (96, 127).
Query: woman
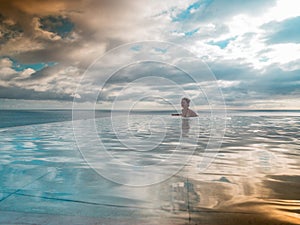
(186, 112)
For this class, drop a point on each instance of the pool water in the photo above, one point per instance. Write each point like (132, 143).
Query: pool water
(148, 173)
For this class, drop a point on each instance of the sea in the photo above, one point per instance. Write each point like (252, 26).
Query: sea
(149, 168)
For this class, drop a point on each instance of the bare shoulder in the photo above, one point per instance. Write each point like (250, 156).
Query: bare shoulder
(192, 113)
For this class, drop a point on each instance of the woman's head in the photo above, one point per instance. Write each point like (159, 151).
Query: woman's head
(185, 102)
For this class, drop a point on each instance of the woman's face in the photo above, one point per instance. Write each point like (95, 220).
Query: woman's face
(184, 104)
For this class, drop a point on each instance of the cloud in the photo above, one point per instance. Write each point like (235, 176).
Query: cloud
(56, 30)
(221, 9)
(251, 46)
(286, 31)
(218, 10)
(210, 16)
(9, 30)
(277, 82)
(27, 83)
(28, 94)
(223, 43)
(57, 24)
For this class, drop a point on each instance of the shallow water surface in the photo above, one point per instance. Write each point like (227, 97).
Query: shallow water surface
(149, 173)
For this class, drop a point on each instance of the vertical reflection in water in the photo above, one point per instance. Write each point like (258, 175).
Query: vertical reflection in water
(185, 127)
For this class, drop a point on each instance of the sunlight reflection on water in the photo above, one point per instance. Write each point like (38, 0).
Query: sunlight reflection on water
(256, 171)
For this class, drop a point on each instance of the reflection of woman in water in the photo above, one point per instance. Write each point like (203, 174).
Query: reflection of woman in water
(185, 127)
(186, 112)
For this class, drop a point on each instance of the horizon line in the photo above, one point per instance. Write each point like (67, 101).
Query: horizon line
(145, 110)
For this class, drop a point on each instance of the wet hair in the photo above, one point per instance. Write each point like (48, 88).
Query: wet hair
(186, 99)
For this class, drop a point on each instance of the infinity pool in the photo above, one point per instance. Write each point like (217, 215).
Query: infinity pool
(151, 172)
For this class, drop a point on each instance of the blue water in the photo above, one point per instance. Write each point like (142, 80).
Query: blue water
(12, 118)
(253, 178)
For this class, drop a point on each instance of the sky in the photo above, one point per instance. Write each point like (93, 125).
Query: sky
(252, 48)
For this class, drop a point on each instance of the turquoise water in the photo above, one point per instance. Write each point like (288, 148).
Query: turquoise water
(253, 178)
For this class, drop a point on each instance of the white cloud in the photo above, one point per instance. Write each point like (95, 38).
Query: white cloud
(284, 9)
(284, 53)
(5, 62)
(227, 83)
(6, 72)
(75, 95)
(27, 72)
